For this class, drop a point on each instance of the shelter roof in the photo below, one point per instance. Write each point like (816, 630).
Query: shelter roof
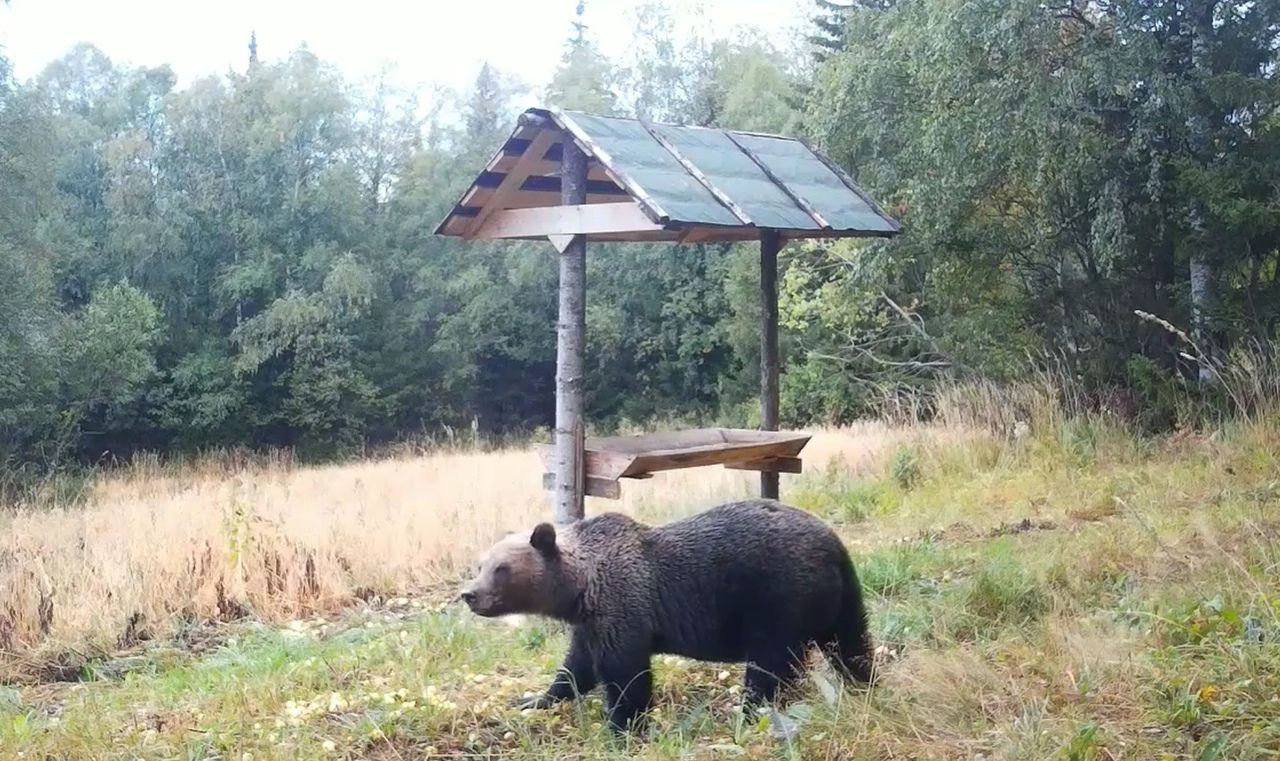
(662, 182)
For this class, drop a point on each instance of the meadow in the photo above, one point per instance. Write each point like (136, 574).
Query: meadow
(1060, 589)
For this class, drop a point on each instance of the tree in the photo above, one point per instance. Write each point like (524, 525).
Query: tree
(584, 79)
(829, 19)
(486, 113)
(1015, 241)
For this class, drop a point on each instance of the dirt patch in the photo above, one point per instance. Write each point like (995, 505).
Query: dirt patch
(1021, 527)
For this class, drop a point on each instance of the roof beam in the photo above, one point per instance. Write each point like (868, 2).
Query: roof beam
(514, 179)
(547, 167)
(582, 219)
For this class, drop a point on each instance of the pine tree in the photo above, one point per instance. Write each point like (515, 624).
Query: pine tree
(484, 111)
(831, 20)
(584, 78)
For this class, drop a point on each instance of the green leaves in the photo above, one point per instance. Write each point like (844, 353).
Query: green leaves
(107, 350)
(1043, 163)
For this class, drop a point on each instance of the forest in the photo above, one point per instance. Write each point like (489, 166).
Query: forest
(248, 260)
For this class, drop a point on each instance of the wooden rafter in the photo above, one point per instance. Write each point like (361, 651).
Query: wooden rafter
(514, 179)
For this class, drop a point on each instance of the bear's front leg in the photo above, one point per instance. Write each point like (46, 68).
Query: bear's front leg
(628, 683)
(575, 678)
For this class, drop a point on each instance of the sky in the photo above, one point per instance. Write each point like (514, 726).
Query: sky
(427, 42)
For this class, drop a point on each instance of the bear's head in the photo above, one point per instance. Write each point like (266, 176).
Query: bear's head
(523, 573)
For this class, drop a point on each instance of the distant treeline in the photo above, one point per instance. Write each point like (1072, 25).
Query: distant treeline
(249, 260)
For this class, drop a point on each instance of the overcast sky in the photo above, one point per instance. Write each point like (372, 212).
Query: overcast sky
(427, 41)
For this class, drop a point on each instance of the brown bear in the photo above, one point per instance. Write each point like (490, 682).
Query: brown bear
(753, 581)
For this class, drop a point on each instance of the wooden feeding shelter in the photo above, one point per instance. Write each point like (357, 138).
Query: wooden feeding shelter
(571, 177)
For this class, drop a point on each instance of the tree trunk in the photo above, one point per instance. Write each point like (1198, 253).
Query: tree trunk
(1202, 276)
(1202, 273)
(570, 481)
(770, 243)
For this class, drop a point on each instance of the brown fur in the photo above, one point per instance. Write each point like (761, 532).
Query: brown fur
(751, 581)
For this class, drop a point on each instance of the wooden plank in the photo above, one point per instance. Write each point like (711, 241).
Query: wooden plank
(754, 435)
(769, 465)
(693, 458)
(770, 243)
(726, 450)
(546, 167)
(570, 219)
(610, 465)
(543, 183)
(531, 199)
(697, 174)
(648, 443)
(516, 177)
(705, 234)
(462, 201)
(595, 487)
(711, 234)
(655, 236)
(616, 457)
(795, 197)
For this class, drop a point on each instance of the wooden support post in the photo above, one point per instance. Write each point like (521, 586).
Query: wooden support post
(570, 480)
(770, 243)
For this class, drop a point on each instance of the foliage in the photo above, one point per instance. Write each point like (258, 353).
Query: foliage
(1042, 159)
(248, 259)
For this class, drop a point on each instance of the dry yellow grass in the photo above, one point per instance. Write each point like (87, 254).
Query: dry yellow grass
(151, 546)
(1075, 593)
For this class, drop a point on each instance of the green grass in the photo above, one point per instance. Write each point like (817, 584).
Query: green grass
(1080, 595)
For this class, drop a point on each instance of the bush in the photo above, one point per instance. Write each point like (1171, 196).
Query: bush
(905, 468)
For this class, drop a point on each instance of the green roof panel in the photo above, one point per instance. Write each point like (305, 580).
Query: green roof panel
(734, 173)
(646, 163)
(809, 177)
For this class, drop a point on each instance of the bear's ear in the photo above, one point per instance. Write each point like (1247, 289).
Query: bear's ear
(544, 539)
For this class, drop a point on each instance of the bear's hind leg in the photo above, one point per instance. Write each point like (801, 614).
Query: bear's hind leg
(770, 672)
(852, 659)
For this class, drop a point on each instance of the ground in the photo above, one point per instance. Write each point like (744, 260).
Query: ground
(1078, 592)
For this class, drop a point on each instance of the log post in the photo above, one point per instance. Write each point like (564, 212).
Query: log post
(570, 480)
(770, 243)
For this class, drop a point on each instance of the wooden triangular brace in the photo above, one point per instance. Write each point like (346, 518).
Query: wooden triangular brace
(561, 242)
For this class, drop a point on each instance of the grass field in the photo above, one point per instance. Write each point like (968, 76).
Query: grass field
(1075, 593)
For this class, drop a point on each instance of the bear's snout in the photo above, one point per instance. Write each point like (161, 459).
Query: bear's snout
(477, 600)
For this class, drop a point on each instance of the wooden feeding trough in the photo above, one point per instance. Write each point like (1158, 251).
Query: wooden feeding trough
(566, 176)
(608, 459)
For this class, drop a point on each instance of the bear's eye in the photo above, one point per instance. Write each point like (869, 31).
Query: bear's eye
(502, 570)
